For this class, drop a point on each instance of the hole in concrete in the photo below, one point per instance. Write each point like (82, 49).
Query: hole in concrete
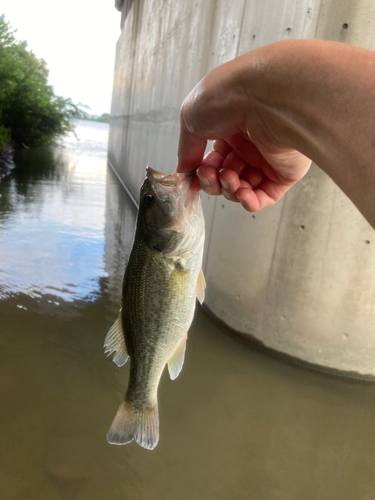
(253, 37)
(345, 26)
(288, 30)
(302, 226)
(367, 242)
(253, 216)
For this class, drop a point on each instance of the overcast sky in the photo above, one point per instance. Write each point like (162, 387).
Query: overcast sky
(77, 38)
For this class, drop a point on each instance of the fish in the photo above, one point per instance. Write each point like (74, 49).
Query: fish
(162, 281)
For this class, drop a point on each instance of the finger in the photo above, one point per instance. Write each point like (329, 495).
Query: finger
(213, 159)
(195, 184)
(248, 199)
(190, 151)
(267, 194)
(208, 179)
(230, 183)
(234, 162)
(253, 176)
(246, 150)
(245, 184)
(222, 147)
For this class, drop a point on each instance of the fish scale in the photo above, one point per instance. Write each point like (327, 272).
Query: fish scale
(152, 329)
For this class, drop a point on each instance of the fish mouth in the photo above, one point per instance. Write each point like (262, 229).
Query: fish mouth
(175, 181)
(185, 206)
(177, 186)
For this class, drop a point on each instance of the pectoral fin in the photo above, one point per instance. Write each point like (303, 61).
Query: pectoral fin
(176, 362)
(200, 287)
(115, 342)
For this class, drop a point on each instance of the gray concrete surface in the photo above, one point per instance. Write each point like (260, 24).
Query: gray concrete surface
(297, 277)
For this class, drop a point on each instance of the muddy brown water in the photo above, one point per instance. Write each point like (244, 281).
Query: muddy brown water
(236, 424)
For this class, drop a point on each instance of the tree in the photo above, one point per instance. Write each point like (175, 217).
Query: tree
(30, 112)
(104, 118)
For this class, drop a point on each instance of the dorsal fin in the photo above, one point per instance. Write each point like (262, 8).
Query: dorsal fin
(115, 342)
(200, 286)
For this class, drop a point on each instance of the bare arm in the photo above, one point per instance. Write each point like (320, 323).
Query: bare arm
(271, 110)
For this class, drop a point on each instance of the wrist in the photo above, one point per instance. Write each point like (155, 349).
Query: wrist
(317, 97)
(276, 81)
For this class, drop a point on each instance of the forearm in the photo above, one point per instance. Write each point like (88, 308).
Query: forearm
(319, 98)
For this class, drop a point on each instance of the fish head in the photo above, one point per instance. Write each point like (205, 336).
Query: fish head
(170, 215)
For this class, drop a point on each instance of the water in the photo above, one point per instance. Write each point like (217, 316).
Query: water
(236, 424)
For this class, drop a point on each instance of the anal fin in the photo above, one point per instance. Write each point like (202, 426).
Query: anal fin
(176, 361)
(115, 343)
(200, 287)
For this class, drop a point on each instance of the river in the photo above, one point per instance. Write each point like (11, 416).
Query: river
(238, 423)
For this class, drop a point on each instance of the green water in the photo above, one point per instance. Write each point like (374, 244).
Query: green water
(236, 424)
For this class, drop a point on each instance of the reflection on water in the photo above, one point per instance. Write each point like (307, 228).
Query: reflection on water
(52, 220)
(236, 424)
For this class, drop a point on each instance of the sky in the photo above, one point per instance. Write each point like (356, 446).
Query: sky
(77, 38)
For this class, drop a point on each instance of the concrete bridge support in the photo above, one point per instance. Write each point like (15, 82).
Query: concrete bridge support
(298, 277)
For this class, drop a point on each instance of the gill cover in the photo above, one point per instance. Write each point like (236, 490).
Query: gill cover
(164, 210)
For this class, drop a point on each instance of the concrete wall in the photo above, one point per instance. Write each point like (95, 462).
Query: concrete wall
(298, 276)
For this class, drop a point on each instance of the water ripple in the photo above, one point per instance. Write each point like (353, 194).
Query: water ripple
(52, 218)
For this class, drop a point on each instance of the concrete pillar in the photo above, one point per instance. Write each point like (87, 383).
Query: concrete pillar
(296, 277)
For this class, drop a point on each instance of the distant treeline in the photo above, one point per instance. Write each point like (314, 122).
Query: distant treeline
(30, 112)
(104, 118)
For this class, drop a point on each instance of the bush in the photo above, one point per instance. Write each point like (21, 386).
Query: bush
(29, 109)
(4, 136)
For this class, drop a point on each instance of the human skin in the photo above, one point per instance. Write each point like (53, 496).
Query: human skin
(273, 110)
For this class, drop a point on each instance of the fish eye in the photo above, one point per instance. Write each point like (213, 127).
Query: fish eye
(148, 199)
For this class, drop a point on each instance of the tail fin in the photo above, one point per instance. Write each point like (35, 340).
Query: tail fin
(140, 423)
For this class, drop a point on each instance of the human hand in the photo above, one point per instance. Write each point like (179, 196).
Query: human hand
(252, 160)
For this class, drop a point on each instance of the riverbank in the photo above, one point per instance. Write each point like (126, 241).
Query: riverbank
(6, 160)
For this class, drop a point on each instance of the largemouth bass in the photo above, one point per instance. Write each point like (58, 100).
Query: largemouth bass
(162, 280)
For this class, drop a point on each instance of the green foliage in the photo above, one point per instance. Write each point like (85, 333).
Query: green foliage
(104, 118)
(29, 108)
(4, 136)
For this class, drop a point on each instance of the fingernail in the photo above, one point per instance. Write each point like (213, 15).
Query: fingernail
(224, 185)
(204, 182)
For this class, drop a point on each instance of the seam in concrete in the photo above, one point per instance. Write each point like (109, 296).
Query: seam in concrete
(123, 184)
(270, 276)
